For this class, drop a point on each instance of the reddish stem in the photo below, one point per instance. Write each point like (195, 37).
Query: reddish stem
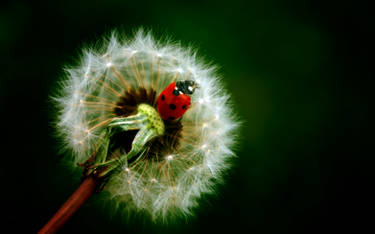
(78, 198)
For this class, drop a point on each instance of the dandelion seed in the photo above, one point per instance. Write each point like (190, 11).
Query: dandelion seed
(133, 52)
(118, 108)
(179, 70)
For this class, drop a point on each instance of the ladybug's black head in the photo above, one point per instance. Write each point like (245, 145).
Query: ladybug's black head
(184, 87)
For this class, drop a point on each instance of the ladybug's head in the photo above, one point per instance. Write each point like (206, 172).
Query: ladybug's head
(184, 87)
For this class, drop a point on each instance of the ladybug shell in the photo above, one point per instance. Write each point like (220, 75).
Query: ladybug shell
(170, 106)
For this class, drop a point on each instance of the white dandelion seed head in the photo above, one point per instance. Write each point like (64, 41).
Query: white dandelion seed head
(171, 184)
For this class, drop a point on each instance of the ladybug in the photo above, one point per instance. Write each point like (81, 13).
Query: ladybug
(174, 101)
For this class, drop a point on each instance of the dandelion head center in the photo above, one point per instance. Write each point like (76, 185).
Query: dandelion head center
(128, 104)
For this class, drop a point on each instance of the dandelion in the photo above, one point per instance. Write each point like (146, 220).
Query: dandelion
(110, 119)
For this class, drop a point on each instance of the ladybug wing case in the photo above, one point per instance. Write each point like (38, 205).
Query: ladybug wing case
(172, 105)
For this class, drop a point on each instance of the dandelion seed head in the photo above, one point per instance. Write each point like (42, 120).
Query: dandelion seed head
(166, 181)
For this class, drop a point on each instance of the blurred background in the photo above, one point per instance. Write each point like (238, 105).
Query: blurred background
(300, 77)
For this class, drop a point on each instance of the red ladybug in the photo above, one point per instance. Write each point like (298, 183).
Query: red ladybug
(174, 101)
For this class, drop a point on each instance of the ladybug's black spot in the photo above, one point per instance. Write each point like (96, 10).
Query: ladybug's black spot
(171, 118)
(162, 97)
(184, 107)
(172, 106)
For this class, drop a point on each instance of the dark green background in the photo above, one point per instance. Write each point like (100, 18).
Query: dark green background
(301, 80)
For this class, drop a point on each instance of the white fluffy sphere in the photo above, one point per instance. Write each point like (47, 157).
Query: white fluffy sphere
(168, 182)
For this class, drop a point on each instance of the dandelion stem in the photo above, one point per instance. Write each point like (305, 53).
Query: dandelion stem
(78, 198)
